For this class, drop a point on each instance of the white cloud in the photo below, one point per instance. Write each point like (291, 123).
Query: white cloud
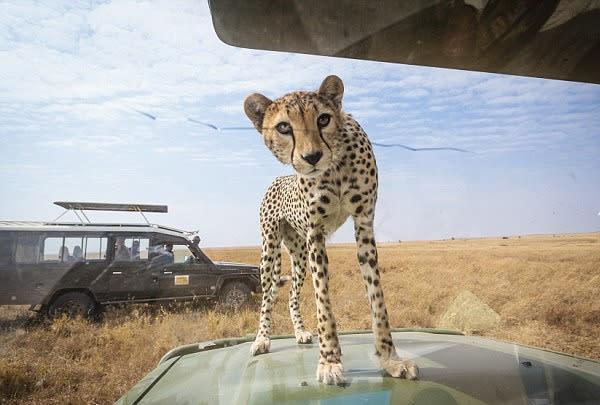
(170, 149)
(415, 93)
(436, 108)
(87, 143)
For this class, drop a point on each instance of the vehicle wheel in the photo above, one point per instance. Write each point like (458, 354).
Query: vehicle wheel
(72, 304)
(235, 295)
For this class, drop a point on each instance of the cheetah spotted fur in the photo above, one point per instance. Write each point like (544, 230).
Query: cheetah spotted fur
(336, 177)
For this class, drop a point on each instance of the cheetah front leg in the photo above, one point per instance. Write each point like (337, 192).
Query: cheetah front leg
(296, 246)
(384, 346)
(330, 369)
(270, 268)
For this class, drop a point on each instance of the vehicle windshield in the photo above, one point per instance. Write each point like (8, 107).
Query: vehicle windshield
(487, 203)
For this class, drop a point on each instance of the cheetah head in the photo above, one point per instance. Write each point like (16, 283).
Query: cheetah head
(301, 128)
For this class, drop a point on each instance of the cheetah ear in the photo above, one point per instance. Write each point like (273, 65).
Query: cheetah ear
(333, 88)
(255, 106)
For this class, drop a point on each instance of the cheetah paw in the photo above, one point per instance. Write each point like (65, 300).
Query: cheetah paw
(261, 345)
(331, 373)
(396, 367)
(303, 337)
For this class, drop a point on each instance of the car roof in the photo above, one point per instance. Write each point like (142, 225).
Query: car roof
(90, 227)
(455, 369)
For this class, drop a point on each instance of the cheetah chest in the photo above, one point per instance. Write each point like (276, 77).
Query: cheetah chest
(320, 207)
(336, 216)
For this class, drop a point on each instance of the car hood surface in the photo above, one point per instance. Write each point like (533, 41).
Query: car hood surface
(455, 369)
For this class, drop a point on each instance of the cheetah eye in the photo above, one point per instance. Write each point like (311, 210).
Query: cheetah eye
(284, 128)
(323, 120)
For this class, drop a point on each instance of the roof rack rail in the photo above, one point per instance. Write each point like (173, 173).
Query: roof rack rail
(95, 206)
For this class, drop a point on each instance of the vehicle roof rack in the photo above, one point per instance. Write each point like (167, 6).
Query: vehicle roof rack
(95, 206)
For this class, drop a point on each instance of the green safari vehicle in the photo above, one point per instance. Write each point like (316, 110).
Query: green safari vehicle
(455, 369)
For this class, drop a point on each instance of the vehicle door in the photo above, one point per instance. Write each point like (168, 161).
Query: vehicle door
(41, 261)
(185, 276)
(129, 275)
(85, 255)
(24, 279)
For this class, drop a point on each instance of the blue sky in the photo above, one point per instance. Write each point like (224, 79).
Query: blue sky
(73, 74)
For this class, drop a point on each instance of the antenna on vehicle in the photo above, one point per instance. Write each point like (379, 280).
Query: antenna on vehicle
(93, 206)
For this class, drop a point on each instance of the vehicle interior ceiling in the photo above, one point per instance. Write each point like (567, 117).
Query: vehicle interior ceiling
(549, 39)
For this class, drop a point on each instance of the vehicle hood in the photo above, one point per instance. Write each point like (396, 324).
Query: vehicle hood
(455, 369)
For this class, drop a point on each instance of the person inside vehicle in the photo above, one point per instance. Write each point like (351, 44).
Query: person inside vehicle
(169, 252)
(196, 241)
(135, 250)
(63, 254)
(164, 255)
(77, 254)
(121, 251)
(194, 246)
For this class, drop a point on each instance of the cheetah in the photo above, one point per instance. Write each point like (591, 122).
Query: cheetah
(336, 177)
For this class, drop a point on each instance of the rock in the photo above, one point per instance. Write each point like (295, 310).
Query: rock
(469, 314)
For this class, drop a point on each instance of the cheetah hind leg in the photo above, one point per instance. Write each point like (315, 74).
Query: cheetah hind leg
(303, 336)
(294, 245)
(271, 271)
(262, 344)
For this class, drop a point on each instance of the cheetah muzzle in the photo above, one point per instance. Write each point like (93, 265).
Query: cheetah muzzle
(336, 177)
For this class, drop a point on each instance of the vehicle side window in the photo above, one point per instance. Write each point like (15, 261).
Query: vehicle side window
(73, 249)
(95, 248)
(6, 246)
(131, 249)
(182, 254)
(54, 250)
(28, 249)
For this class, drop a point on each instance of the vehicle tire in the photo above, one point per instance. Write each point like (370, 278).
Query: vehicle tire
(235, 294)
(72, 304)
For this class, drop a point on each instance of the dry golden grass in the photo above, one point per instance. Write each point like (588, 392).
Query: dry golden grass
(545, 289)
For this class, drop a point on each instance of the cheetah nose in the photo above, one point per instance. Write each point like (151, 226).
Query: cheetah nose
(313, 158)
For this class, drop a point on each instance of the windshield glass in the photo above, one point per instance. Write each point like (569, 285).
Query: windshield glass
(182, 253)
(487, 203)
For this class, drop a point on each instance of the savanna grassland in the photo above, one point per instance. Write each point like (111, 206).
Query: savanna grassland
(545, 289)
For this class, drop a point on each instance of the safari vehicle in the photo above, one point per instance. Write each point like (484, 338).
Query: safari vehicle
(76, 268)
(456, 369)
